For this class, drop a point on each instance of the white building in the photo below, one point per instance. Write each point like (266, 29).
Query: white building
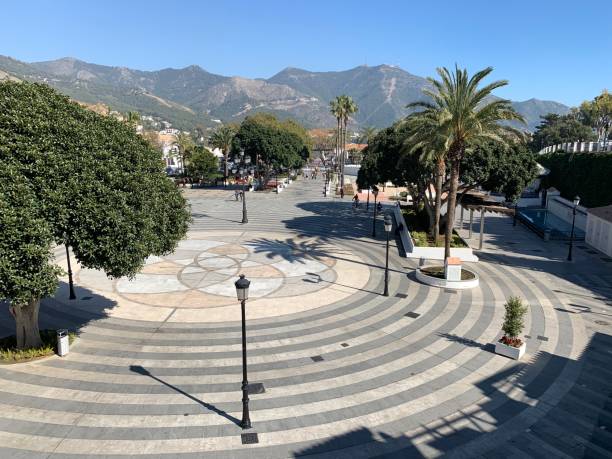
(599, 229)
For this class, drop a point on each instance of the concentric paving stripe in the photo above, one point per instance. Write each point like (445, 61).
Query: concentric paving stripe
(157, 378)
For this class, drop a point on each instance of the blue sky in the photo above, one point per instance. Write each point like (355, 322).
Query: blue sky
(557, 50)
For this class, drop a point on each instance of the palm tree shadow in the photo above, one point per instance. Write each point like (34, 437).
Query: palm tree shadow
(293, 251)
(143, 371)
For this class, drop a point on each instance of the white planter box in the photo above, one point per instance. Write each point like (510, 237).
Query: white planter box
(510, 351)
(428, 253)
(445, 283)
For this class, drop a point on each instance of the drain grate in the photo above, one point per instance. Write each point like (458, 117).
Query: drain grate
(412, 315)
(85, 298)
(249, 438)
(344, 344)
(317, 358)
(448, 290)
(542, 338)
(401, 295)
(256, 388)
(601, 322)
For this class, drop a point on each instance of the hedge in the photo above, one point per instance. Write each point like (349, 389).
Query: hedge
(588, 175)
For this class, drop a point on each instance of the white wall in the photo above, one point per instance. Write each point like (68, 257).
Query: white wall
(599, 234)
(563, 209)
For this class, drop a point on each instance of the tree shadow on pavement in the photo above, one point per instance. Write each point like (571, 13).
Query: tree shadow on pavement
(58, 311)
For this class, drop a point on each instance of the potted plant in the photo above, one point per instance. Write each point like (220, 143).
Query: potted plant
(510, 345)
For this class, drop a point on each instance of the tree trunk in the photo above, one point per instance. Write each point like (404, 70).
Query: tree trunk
(451, 203)
(440, 173)
(225, 174)
(26, 324)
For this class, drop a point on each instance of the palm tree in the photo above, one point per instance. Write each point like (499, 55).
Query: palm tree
(429, 140)
(336, 108)
(463, 117)
(222, 139)
(132, 118)
(349, 107)
(185, 145)
(367, 133)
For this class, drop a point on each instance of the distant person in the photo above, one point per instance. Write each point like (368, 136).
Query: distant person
(342, 193)
(356, 201)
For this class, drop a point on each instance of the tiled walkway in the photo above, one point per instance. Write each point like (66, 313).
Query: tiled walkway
(346, 372)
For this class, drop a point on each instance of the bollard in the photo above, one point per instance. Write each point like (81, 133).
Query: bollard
(63, 343)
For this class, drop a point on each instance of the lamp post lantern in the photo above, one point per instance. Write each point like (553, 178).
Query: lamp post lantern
(571, 244)
(388, 227)
(375, 192)
(242, 292)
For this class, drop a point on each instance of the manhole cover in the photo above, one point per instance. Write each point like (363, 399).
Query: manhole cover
(256, 388)
(317, 358)
(249, 438)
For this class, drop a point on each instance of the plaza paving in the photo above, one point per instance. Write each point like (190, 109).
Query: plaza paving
(347, 372)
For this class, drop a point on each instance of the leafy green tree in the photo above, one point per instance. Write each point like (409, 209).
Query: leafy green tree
(555, 129)
(222, 139)
(598, 114)
(203, 165)
(271, 142)
(86, 180)
(464, 117)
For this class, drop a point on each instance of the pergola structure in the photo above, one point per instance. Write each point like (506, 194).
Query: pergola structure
(482, 203)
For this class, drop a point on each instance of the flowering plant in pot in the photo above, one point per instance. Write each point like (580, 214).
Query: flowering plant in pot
(510, 344)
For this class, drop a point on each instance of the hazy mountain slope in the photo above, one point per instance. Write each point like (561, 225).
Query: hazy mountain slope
(192, 95)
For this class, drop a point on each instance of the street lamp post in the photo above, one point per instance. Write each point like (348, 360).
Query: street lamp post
(244, 163)
(242, 292)
(571, 244)
(375, 192)
(388, 226)
(70, 282)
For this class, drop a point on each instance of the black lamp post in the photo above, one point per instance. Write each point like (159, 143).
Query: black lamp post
(571, 244)
(70, 282)
(243, 163)
(242, 292)
(375, 192)
(388, 226)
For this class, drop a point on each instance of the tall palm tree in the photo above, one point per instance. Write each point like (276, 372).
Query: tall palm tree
(428, 138)
(336, 108)
(222, 139)
(185, 145)
(349, 107)
(463, 116)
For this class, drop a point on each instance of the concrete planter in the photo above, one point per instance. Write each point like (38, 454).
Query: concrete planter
(510, 351)
(428, 253)
(445, 283)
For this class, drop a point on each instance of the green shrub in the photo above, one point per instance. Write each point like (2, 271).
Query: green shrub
(420, 238)
(10, 354)
(584, 174)
(514, 318)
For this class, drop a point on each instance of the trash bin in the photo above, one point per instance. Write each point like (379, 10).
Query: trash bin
(63, 343)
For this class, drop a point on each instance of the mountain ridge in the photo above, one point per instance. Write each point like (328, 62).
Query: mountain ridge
(191, 95)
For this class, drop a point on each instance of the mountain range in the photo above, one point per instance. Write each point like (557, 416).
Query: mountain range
(192, 96)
